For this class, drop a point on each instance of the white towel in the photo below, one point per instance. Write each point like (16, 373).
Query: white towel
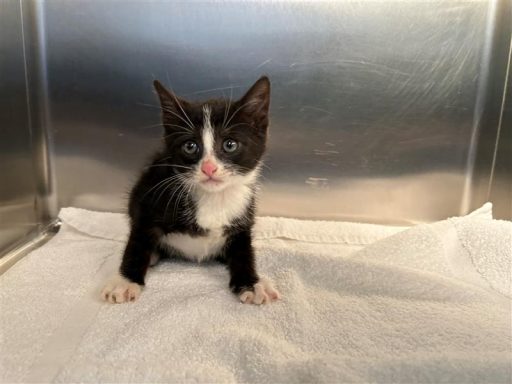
(360, 303)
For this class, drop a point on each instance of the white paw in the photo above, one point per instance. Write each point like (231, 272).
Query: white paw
(120, 290)
(264, 293)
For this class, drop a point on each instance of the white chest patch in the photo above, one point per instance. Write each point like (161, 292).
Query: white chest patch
(216, 210)
(196, 248)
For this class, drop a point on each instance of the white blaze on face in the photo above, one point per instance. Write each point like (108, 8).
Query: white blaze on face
(208, 139)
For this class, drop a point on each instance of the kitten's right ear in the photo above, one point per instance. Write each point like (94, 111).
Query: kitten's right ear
(172, 106)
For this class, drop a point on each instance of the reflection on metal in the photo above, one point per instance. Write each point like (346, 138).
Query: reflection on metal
(500, 184)
(28, 243)
(382, 111)
(17, 185)
(380, 98)
(27, 194)
(37, 101)
(491, 171)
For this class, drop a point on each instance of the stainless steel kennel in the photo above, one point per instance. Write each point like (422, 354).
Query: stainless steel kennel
(382, 111)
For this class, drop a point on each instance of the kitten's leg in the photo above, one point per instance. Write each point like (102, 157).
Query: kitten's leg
(154, 258)
(127, 285)
(245, 282)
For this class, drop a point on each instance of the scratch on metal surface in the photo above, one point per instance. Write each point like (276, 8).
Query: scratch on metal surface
(317, 182)
(361, 63)
(316, 109)
(325, 152)
(263, 63)
(213, 89)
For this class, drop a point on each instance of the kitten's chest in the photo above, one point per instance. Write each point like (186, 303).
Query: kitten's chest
(213, 212)
(218, 210)
(196, 248)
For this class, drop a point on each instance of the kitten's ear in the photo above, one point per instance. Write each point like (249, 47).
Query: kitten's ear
(256, 102)
(172, 106)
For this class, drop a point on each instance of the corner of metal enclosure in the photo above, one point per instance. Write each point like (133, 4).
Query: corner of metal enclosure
(36, 78)
(33, 240)
(488, 175)
(45, 222)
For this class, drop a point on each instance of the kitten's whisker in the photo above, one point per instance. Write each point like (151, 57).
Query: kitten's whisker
(188, 212)
(169, 185)
(226, 111)
(149, 105)
(180, 196)
(169, 165)
(162, 188)
(237, 110)
(165, 188)
(159, 183)
(178, 102)
(177, 126)
(177, 190)
(166, 158)
(227, 129)
(177, 133)
(180, 180)
(156, 185)
(188, 123)
(183, 111)
(151, 126)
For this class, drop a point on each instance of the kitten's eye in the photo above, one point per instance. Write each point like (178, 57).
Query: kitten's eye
(230, 145)
(190, 147)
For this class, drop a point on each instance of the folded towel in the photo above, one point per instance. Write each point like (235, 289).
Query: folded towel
(360, 303)
(475, 249)
(114, 226)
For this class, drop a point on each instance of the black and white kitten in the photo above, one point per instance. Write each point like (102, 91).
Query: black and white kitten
(196, 199)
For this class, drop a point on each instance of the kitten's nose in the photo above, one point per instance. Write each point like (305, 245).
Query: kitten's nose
(208, 168)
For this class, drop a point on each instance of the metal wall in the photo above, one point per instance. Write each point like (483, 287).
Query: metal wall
(18, 215)
(27, 211)
(379, 108)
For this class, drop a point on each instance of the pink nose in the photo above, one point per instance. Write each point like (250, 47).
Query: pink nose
(208, 168)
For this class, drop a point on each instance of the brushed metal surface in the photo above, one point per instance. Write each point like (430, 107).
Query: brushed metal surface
(17, 183)
(377, 106)
(490, 178)
(28, 207)
(500, 184)
(38, 109)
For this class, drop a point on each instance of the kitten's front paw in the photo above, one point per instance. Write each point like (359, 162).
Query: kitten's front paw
(263, 293)
(119, 290)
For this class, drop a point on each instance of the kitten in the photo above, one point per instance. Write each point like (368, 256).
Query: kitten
(196, 199)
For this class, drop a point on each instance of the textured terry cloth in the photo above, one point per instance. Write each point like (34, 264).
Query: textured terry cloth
(475, 249)
(360, 303)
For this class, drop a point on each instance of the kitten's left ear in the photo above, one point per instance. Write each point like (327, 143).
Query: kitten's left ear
(172, 106)
(256, 102)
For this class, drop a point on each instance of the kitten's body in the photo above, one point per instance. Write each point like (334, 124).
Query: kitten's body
(200, 205)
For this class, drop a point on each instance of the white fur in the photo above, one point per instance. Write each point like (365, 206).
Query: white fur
(214, 211)
(119, 290)
(264, 293)
(196, 248)
(218, 209)
(208, 138)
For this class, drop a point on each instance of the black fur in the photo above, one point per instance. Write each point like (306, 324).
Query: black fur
(157, 207)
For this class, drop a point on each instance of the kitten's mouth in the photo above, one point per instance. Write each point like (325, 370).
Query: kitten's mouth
(212, 184)
(212, 181)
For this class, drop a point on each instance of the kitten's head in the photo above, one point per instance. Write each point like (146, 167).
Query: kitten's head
(217, 143)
